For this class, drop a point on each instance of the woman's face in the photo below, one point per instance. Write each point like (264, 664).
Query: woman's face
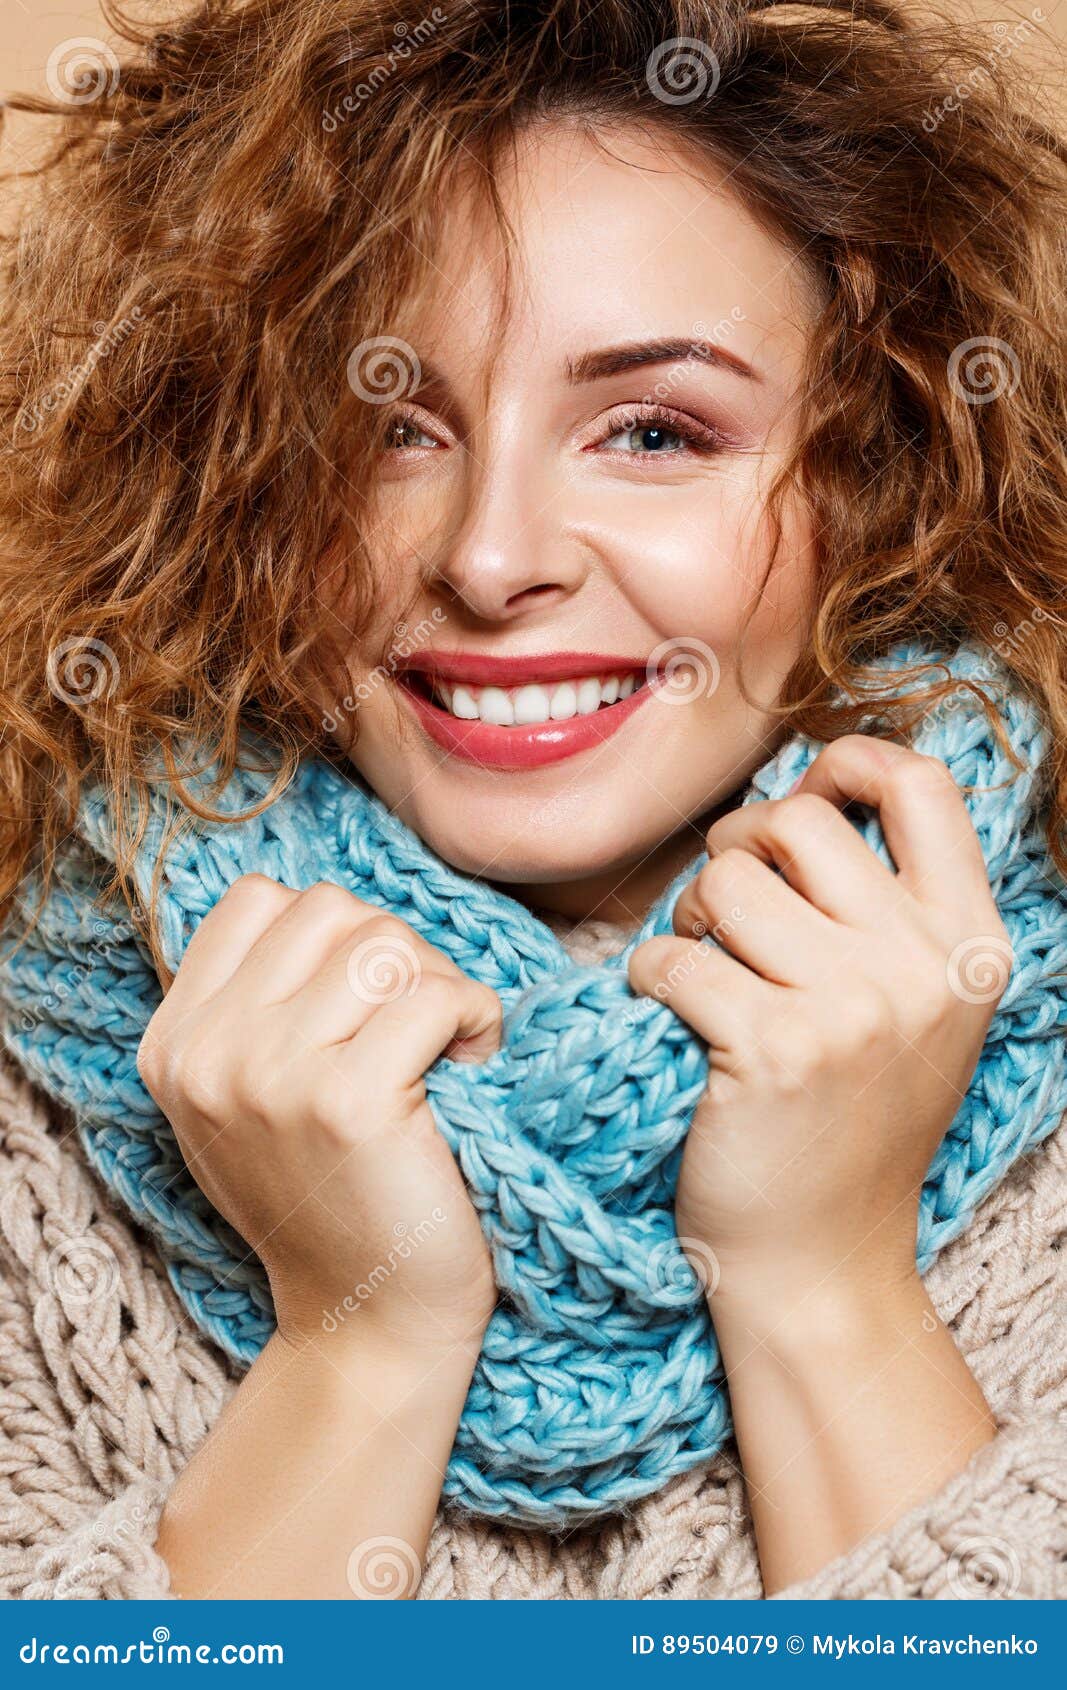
(569, 527)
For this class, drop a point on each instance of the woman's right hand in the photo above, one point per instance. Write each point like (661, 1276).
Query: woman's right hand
(288, 1055)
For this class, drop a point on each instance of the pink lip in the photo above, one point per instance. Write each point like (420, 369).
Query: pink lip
(491, 747)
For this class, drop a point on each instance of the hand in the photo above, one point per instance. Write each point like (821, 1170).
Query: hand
(842, 1031)
(288, 1055)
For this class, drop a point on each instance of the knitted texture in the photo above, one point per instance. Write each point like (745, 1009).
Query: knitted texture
(107, 1389)
(599, 1377)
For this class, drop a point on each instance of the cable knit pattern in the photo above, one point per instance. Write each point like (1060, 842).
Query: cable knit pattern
(599, 1379)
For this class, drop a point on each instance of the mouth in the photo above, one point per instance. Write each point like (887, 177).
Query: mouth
(522, 713)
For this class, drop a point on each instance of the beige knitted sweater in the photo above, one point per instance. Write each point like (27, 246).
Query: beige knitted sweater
(107, 1389)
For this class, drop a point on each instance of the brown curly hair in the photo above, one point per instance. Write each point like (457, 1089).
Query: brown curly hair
(251, 192)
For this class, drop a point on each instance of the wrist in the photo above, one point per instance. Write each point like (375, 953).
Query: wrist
(812, 1321)
(396, 1321)
(397, 1347)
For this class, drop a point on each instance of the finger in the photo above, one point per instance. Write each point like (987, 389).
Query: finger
(922, 812)
(378, 962)
(246, 911)
(819, 852)
(444, 1016)
(751, 911)
(307, 936)
(716, 995)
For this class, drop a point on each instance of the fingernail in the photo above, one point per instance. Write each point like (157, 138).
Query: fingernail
(795, 784)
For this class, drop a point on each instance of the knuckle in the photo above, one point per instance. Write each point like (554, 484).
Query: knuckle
(256, 890)
(431, 990)
(381, 925)
(151, 1057)
(197, 1079)
(865, 1015)
(321, 1110)
(324, 900)
(723, 871)
(796, 820)
(795, 1054)
(489, 1004)
(934, 768)
(182, 1073)
(925, 1007)
(806, 807)
(720, 890)
(847, 747)
(913, 771)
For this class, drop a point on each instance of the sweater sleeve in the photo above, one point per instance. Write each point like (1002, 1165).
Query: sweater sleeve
(997, 1530)
(105, 1392)
(109, 1555)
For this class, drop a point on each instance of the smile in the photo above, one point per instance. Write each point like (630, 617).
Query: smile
(521, 713)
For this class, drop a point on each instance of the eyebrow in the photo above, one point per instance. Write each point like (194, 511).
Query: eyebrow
(635, 354)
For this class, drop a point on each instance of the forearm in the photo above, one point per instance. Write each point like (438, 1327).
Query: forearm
(850, 1406)
(321, 1452)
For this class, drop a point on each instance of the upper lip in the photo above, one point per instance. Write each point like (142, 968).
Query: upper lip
(481, 670)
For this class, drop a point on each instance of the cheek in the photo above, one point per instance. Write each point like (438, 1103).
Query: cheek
(700, 566)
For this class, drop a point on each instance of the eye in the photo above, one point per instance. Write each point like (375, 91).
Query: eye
(655, 431)
(406, 432)
(646, 437)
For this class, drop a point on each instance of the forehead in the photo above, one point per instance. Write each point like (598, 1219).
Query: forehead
(613, 237)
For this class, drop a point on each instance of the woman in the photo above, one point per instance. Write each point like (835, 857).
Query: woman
(542, 418)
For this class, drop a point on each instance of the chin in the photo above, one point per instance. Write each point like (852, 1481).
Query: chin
(543, 840)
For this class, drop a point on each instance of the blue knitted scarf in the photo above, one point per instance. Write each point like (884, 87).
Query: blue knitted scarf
(599, 1378)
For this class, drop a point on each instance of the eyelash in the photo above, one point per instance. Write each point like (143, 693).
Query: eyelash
(697, 437)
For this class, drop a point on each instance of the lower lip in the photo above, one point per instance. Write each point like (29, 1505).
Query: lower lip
(490, 747)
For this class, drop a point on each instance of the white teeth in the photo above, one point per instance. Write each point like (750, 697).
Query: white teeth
(588, 697)
(463, 705)
(564, 703)
(528, 705)
(495, 706)
(531, 705)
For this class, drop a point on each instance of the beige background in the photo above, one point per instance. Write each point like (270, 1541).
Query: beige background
(31, 29)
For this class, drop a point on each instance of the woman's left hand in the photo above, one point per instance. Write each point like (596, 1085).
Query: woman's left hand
(845, 1008)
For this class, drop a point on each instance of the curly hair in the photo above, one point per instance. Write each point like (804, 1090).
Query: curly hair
(250, 193)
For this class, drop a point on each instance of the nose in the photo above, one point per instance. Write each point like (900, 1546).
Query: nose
(508, 551)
